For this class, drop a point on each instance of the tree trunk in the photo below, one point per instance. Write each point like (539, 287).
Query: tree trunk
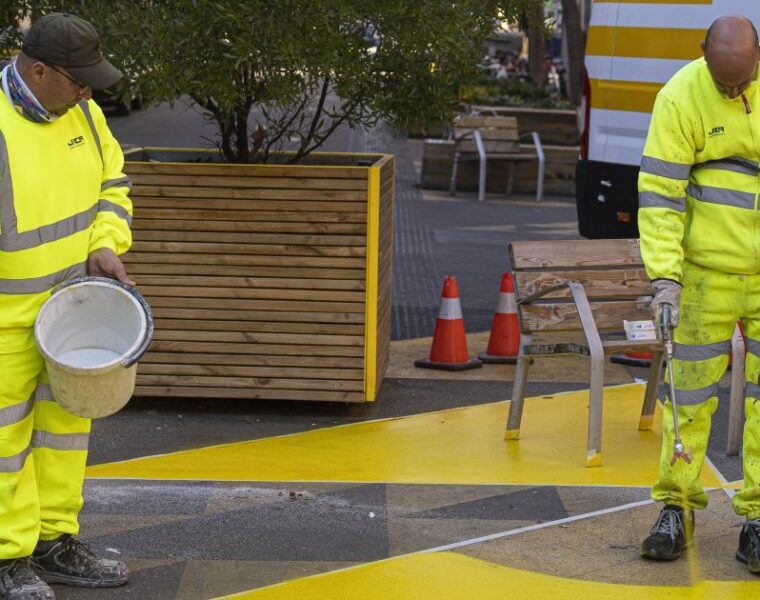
(576, 44)
(536, 45)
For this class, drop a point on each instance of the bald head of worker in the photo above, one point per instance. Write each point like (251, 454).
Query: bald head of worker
(732, 52)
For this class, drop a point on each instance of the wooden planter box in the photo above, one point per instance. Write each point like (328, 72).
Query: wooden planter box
(266, 281)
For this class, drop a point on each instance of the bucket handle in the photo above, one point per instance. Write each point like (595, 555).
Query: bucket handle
(137, 354)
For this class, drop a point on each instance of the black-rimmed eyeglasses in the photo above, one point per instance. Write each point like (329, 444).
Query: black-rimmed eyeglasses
(81, 86)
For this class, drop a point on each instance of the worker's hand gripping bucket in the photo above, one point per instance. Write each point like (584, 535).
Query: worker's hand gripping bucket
(91, 332)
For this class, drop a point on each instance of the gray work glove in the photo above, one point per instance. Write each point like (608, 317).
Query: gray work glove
(666, 292)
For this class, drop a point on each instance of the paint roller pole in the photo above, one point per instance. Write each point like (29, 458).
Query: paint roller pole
(667, 337)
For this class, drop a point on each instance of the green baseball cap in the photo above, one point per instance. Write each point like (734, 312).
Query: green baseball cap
(67, 41)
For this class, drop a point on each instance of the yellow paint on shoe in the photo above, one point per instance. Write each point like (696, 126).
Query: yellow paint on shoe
(458, 577)
(460, 446)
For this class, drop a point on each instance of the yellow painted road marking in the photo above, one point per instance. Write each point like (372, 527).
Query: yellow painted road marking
(457, 577)
(462, 446)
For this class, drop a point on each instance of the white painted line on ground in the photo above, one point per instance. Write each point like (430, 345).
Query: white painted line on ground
(724, 483)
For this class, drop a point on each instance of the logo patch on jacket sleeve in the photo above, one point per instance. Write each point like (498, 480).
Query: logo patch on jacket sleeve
(719, 130)
(75, 142)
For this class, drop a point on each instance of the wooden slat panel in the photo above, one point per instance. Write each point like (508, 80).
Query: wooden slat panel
(552, 254)
(299, 340)
(264, 349)
(214, 311)
(258, 326)
(276, 240)
(144, 269)
(246, 193)
(252, 382)
(183, 391)
(307, 306)
(153, 291)
(618, 283)
(252, 360)
(280, 250)
(145, 224)
(242, 259)
(255, 282)
(201, 203)
(242, 214)
(231, 170)
(246, 371)
(473, 121)
(491, 147)
(313, 183)
(564, 317)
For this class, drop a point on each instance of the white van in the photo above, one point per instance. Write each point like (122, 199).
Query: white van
(632, 50)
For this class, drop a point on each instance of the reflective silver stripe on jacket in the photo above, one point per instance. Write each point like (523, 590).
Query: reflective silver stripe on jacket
(752, 391)
(8, 221)
(654, 200)
(702, 351)
(13, 241)
(60, 441)
(16, 413)
(735, 164)
(120, 182)
(753, 346)
(43, 392)
(108, 206)
(37, 285)
(86, 110)
(664, 168)
(692, 397)
(13, 464)
(722, 196)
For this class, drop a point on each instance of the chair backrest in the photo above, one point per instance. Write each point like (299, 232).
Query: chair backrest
(611, 271)
(500, 134)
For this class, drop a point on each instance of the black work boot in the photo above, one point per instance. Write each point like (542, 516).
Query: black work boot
(671, 533)
(749, 546)
(18, 581)
(67, 560)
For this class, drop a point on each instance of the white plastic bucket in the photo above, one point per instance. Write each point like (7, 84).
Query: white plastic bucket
(91, 332)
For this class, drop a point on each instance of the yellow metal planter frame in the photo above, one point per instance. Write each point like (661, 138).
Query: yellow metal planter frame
(225, 257)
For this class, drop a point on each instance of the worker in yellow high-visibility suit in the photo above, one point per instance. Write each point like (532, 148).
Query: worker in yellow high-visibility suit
(64, 213)
(699, 222)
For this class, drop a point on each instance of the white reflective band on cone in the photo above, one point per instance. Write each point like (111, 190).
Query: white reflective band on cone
(450, 309)
(507, 303)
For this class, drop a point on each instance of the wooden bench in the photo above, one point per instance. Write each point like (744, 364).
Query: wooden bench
(590, 287)
(480, 138)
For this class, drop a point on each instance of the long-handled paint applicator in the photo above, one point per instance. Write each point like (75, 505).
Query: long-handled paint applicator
(667, 337)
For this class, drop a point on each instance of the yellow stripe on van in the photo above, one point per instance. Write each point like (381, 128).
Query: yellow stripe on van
(645, 42)
(623, 95)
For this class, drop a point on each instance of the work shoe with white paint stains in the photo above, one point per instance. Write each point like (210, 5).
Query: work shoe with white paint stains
(67, 560)
(749, 546)
(18, 581)
(672, 532)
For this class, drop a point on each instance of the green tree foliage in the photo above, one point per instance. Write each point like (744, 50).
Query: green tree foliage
(272, 73)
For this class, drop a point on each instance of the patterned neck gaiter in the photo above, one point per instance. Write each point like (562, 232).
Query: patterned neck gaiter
(23, 99)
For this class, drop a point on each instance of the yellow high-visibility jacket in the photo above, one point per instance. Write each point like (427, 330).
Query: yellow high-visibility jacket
(699, 178)
(62, 195)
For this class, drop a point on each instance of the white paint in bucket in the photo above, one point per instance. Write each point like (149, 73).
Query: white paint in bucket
(91, 331)
(88, 358)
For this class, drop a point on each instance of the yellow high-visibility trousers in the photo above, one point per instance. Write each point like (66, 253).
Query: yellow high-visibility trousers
(43, 452)
(711, 303)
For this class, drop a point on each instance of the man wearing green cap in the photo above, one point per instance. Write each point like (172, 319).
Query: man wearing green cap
(64, 213)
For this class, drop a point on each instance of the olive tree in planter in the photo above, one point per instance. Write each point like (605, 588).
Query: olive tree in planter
(268, 265)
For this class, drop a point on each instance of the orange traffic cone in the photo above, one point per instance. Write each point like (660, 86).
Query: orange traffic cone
(504, 342)
(449, 349)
